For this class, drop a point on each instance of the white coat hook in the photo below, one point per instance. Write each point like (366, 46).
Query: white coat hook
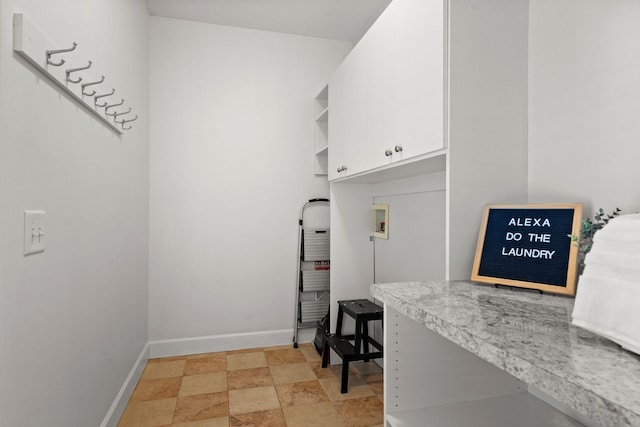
(73, 70)
(106, 109)
(123, 121)
(84, 85)
(104, 104)
(56, 51)
(115, 116)
(57, 64)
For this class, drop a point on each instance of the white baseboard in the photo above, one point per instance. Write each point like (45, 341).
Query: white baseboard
(122, 398)
(215, 343)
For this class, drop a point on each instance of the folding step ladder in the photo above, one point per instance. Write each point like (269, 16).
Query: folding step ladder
(312, 274)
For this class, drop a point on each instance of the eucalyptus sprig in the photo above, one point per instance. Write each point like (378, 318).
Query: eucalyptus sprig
(584, 241)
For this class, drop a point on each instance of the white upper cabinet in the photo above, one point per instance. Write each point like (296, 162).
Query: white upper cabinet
(379, 76)
(387, 97)
(347, 118)
(420, 73)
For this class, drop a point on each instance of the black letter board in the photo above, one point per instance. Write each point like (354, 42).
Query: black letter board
(527, 246)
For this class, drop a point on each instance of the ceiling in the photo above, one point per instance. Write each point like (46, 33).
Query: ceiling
(333, 19)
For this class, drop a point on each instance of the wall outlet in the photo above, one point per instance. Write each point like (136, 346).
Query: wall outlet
(34, 232)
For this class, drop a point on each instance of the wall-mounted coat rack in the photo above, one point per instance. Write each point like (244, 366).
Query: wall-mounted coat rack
(33, 46)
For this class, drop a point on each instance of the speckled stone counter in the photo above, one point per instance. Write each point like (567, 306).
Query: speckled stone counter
(529, 336)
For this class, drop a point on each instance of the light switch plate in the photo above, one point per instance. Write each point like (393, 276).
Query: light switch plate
(34, 232)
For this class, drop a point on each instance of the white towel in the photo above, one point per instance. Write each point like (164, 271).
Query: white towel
(608, 296)
(625, 222)
(619, 258)
(618, 238)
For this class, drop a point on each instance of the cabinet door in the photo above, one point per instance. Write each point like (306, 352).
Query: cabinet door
(406, 81)
(347, 96)
(420, 87)
(379, 47)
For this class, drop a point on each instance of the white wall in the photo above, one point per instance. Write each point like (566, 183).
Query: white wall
(231, 164)
(73, 320)
(414, 249)
(584, 103)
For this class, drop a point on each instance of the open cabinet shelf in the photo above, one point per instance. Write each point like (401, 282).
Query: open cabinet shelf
(321, 132)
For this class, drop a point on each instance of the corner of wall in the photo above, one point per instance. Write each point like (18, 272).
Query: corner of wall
(122, 398)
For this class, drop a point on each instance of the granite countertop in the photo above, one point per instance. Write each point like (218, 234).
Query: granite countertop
(530, 336)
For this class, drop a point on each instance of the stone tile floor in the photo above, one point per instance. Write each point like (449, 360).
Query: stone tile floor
(264, 387)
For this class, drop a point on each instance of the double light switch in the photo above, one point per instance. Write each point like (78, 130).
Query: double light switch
(33, 232)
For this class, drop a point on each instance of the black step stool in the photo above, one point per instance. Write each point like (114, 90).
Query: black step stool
(363, 311)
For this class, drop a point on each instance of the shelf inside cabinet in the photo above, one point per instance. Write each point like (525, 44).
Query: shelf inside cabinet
(323, 117)
(324, 93)
(321, 140)
(323, 151)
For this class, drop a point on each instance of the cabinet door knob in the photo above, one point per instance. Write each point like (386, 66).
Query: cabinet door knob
(342, 168)
(398, 148)
(388, 152)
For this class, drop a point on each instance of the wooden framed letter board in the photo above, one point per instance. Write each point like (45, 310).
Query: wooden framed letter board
(527, 246)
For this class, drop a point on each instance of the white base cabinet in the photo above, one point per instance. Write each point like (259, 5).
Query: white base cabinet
(430, 381)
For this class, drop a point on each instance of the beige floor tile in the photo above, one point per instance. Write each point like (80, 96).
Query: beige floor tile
(314, 415)
(211, 422)
(203, 384)
(364, 411)
(271, 418)
(249, 378)
(244, 350)
(253, 400)
(376, 381)
(201, 407)
(334, 370)
(270, 387)
(366, 368)
(246, 361)
(330, 371)
(378, 388)
(357, 388)
(292, 373)
(206, 365)
(163, 369)
(373, 378)
(309, 352)
(302, 393)
(284, 356)
(148, 414)
(278, 347)
(201, 355)
(157, 389)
